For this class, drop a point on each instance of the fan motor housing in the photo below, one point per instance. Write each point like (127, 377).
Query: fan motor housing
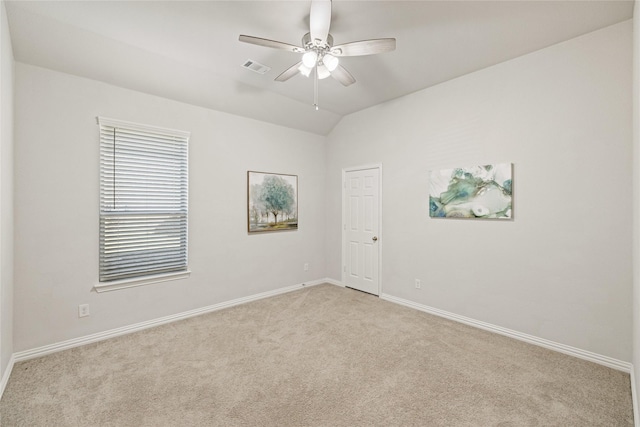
(306, 41)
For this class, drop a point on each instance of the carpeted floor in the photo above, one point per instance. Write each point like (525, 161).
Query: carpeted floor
(321, 356)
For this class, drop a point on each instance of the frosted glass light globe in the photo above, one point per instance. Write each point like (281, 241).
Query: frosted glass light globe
(304, 70)
(330, 61)
(309, 59)
(323, 72)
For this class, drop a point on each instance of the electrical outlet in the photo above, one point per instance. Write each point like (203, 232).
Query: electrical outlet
(306, 266)
(418, 284)
(83, 310)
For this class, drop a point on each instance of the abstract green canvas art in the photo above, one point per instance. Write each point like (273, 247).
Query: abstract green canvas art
(472, 192)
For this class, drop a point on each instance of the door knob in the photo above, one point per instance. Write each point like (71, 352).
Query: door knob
(374, 238)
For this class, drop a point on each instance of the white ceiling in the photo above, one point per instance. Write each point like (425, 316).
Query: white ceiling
(189, 50)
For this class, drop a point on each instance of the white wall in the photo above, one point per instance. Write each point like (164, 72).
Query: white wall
(561, 270)
(636, 198)
(6, 193)
(56, 207)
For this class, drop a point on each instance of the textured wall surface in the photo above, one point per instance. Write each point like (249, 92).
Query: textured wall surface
(561, 269)
(56, 202)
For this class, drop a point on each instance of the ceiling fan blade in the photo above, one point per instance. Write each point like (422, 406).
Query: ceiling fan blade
(319, 21)
(343, 76)
(289, 72)
(270, 43)
(364, 47)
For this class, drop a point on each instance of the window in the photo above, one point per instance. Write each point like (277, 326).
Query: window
(143, 204)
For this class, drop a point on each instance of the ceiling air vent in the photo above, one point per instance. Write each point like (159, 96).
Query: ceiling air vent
(255, 66)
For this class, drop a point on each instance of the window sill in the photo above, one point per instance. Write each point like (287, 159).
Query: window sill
(140, 281)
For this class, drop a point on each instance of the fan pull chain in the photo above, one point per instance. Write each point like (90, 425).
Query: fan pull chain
(315, 87)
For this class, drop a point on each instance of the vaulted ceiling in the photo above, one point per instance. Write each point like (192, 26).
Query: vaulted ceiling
(189, 50)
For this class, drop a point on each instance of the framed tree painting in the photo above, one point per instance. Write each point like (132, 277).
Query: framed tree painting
(272, 202)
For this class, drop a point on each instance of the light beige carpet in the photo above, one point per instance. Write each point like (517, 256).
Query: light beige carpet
(321, 356)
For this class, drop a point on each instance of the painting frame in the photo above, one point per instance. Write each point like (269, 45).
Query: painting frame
(272, 202)
(472, 192)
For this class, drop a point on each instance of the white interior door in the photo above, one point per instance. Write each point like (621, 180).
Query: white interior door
(361, 229)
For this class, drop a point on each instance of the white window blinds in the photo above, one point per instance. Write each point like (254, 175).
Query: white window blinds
(143, 200)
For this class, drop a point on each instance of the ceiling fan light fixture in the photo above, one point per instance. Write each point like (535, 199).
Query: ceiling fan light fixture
(304, 70)
(330, 61)
(309, 59)
(318, 51)
(323, 72)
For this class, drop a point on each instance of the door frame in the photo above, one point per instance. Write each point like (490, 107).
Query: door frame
(343, 240)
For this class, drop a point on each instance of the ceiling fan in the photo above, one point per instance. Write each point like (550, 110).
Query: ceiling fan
(318, 52)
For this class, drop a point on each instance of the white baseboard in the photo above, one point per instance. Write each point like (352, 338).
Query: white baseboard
(531, 339)
(100, 336)
(333, 282)
(7, 373)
